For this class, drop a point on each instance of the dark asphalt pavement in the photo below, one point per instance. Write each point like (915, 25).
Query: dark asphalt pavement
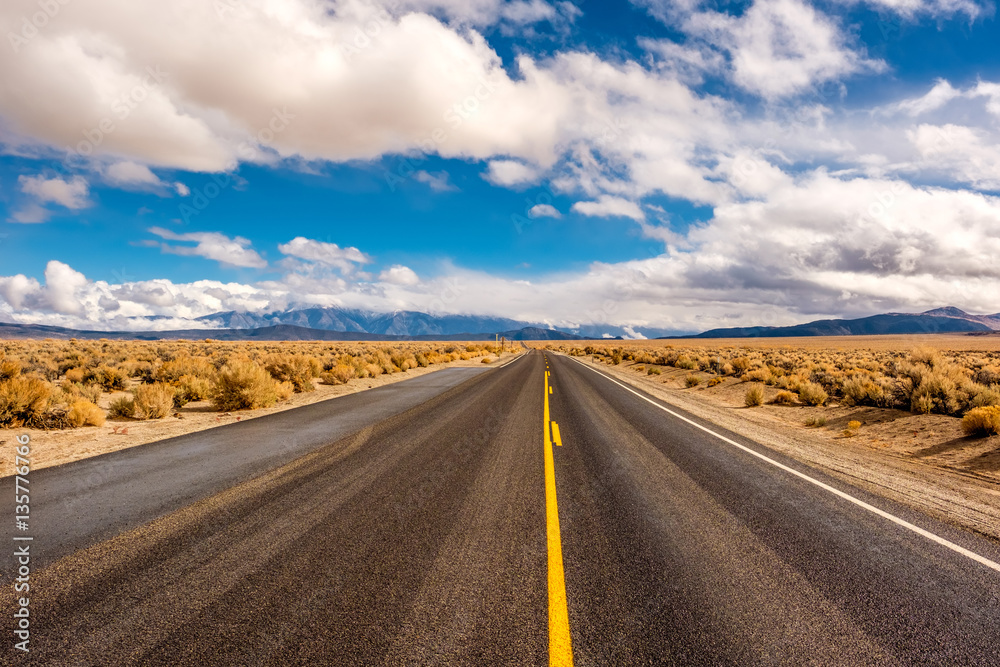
(419, 538)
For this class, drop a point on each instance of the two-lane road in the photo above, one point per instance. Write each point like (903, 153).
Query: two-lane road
(430, 537)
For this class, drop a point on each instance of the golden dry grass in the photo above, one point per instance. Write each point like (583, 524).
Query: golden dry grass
(46, 384)
(942, 342)
(948, 375)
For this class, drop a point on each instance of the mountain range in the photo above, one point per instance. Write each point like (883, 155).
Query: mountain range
(411, 323)
(276, 332)
(337, 324)
(398, 323)
(939, 320)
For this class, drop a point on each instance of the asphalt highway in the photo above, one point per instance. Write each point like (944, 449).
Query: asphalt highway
(525, 516)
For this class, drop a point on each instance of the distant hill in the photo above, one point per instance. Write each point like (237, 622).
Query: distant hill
(409, 323)
(534, 333)
(277, 332)
(397, 323)
(992, 321)
(940, 320)
(357, 325)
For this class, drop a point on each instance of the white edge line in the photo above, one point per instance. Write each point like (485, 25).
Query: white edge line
(837, 492)
(508, 363)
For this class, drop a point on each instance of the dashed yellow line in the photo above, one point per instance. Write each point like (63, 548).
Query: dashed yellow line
(555, 435)
(560, 644)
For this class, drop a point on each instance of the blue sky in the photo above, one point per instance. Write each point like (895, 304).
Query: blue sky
(679, 165)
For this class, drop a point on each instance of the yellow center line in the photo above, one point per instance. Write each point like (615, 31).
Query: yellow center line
(555, 435)
(560, 646)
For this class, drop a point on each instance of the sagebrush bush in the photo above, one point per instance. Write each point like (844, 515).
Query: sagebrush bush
(812, 393)
(784, 398)
(982, 421)
(924, 354)
(174, 369)
(295, 369)
(70, 392)
(982, 397)
(344, 373)
(686, 363)
(653, 370)
(284, 390)
(341, 374)
(191, 388)
(754, 396)
(988, 375)
(153, 401)
(84, 413)
(122, 407)
(75, 375)
(23, 400)
(107, 377)
(759, 375)
(852, 429)
(244, 385)
(877, 392)
(9, 369)
(692, 381)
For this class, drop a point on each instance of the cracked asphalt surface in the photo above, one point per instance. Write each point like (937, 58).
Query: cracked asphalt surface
(419, 538)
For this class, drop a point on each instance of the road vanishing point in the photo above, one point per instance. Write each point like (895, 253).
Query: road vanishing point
(536, 513)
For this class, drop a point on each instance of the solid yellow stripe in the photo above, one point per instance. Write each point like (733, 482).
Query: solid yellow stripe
(560, 646)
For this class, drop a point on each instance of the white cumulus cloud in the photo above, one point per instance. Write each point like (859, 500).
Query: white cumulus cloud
(71, 193)
(607, 206)
(211, 245)
(325, 253)
(399, 275)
